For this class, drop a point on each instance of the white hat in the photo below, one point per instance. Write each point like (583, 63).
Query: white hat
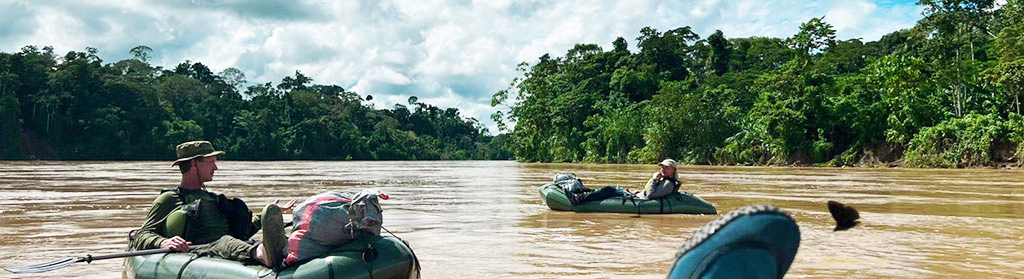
(668, 163)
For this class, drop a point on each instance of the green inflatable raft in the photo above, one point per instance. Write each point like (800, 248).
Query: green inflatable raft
(370, 257)
(554, 196)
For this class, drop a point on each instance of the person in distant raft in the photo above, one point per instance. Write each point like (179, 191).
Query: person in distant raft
(189, 214)
(663, 183)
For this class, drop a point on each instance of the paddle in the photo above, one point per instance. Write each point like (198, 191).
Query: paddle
(61, 263)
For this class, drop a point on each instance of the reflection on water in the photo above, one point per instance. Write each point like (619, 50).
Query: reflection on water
(485, 219)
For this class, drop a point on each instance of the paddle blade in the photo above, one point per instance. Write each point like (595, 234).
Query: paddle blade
(846, 216)
(43, 267)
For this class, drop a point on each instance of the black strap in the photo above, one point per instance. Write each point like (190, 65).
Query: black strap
(177, 191)
(330, 268)
(637, 206)
(675, 189)
(190, 259)
(368, 263)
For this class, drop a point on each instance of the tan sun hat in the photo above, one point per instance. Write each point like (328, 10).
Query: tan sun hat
(195, 149)
(668, 163)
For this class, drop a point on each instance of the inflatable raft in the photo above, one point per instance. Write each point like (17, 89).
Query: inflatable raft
(370, 257)
(757, 242)
(554, 196)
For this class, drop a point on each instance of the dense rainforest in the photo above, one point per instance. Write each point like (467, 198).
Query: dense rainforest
(945, 93)
(74, 107)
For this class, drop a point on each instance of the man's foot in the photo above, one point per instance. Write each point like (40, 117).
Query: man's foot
(273, 235)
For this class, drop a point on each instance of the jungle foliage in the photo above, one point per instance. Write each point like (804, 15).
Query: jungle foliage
(945, 93)
(75, 107)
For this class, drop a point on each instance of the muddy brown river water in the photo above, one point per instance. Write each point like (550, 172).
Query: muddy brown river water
(484, 219)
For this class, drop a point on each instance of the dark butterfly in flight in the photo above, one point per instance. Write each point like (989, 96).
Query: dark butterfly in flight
(845, 215)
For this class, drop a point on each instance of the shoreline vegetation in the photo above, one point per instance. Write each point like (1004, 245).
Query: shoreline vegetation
(945, 93)
(73, 107)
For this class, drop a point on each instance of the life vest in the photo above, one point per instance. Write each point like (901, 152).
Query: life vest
(662, 187)
(182, 220)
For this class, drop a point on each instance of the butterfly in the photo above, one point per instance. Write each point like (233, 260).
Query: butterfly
(845, 215)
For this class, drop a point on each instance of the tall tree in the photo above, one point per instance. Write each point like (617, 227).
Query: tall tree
(142, 53)
(10, 118)
(233, 77)
(718, 59)
(1009, 71)
(815, 36)
(956, 25)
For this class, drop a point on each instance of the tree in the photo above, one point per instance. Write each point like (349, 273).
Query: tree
(141, 53)
(10, 120)
(668, 52)
(1009, 71)
(233, 77)
(298, 82)
(815, 36)
(758, 54)
(955, 24)
(718, 59)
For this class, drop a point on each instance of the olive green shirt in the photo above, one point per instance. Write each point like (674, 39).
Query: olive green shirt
(212, 224)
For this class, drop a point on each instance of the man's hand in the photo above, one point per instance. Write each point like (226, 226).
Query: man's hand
(287, 206)
(176, 244)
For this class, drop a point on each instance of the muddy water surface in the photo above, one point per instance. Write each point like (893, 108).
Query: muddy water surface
(484, 219)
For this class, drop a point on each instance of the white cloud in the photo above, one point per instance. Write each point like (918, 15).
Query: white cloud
(844, 15)
(450, 53)
(387, 75)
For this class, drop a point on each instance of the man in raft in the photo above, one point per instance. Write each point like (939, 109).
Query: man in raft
(663, 183)
(189, 214)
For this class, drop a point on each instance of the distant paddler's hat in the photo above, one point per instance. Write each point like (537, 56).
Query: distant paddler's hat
(668, 163)
(195, 149)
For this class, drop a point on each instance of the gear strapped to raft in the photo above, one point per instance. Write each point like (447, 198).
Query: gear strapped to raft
(328, 220)
(577, 194)
(661, 191)
(361, 214)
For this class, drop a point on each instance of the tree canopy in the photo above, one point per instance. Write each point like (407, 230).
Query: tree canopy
(945, 93)
(75, 107)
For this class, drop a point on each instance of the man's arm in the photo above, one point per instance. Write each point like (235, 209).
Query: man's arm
(148, 236)
(650, 183)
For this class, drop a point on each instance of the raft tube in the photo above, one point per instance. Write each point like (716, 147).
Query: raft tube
(756, 242)
(686, 203)
(356, 259)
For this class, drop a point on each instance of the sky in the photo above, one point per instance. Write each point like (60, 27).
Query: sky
(448, 53)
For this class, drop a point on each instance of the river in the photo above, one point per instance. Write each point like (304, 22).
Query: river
(484, 219)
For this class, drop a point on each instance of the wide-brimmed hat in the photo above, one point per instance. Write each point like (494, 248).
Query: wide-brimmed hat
(195, 149)
(668, 163)
(750, 242)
